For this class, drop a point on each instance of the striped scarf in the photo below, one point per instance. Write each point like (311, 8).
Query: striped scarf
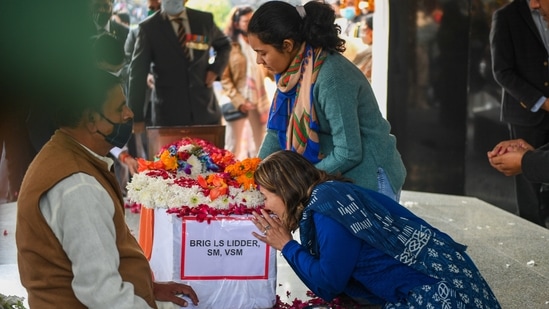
(292, 112)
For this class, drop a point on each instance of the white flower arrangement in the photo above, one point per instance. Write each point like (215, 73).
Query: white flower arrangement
(192, 173)
(157, 192)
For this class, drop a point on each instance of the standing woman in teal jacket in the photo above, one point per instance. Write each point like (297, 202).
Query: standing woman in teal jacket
(324, 108)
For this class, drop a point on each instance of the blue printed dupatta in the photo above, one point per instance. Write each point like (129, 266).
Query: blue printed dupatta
(363, 213)
(393, 229)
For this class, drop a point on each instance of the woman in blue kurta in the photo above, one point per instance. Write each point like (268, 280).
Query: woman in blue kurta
(324, 107)
(361, 244)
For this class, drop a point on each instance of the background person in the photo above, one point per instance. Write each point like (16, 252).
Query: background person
(109, 56)
(122, 17)
(324, 107)
(102, 14)
(140, 145)
(370, 248)
(70, 219)
(16, 149)
(243, 84)
(364, 60)
(515, 157)
(174, 45)
(39, 118)
(518, 43)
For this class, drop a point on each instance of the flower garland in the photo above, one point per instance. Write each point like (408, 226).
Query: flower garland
(192, 177)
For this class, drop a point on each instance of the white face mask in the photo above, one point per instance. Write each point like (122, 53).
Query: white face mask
(172, 7)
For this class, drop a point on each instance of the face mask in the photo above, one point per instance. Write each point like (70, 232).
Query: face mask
(101, 18)
(348, 13)
(120, 134)
(172, 7)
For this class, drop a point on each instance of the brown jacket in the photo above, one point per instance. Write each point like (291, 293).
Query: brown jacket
(234, 78)
(44, 268)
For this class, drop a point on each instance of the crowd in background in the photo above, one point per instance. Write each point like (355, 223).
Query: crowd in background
(354, 18)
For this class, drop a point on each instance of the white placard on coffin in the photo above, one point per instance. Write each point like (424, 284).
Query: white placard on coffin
(223, 262)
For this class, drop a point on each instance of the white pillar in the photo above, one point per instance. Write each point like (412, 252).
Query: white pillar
(380, 54)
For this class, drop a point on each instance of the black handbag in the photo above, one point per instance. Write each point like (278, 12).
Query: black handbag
(230, 113)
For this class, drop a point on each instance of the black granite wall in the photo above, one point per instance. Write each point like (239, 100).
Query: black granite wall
(442, 100)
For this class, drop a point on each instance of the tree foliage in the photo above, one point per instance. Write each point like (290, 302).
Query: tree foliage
(219, 8)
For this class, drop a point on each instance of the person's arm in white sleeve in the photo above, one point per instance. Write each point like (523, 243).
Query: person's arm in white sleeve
(80, 213)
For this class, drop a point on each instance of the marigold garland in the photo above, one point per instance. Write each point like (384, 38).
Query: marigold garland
(243, 172)
(193, 177)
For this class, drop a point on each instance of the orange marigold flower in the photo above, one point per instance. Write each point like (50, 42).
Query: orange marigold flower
(170, 162)
(246, 181)
(243, 172)
(243, 167)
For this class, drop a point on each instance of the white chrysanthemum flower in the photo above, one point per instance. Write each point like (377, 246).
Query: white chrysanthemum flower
(233, 191)
(147, 191)
(158, 188)
(253, 197)
(157, 192)
(196, 168)
(191, 197)
(185, 148)
(223, 202)
(234, 194)
(137, 186)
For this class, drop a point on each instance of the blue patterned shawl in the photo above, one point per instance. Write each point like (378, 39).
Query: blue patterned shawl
(364, 214)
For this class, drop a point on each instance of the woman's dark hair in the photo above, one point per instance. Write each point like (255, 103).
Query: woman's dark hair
(236, 13)
(69, 114)
(290, 176)
(276, 21)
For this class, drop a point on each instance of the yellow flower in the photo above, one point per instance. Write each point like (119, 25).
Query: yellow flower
(170, 162)
(243, 172)
(247, 180)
